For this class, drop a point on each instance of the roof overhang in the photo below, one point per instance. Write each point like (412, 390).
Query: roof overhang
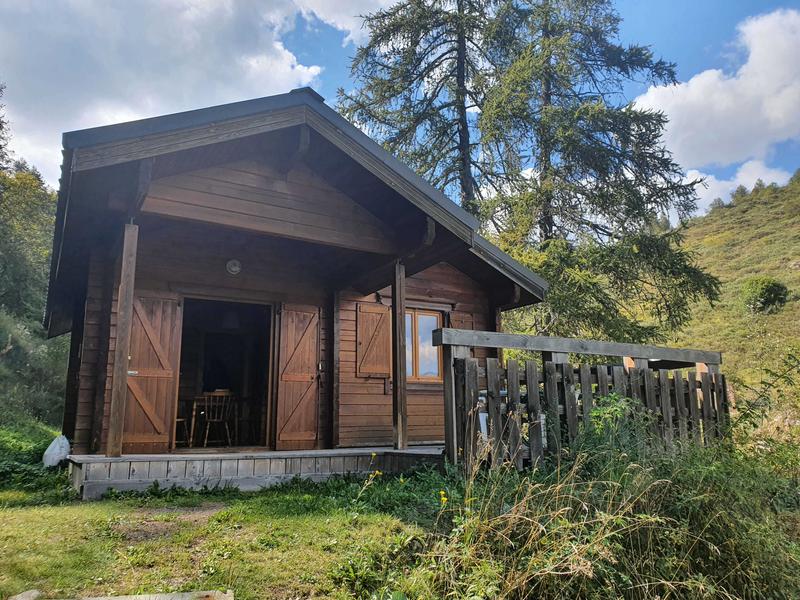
(101, 147)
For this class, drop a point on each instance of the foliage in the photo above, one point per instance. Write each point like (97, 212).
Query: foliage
(590, 174)
(23, 479)
(27, 213)
(421, 78)
(758, 235)
(616, 518)
(598, 290)
(716, 204)
(3, 132)
(762, 293)
(32, 368)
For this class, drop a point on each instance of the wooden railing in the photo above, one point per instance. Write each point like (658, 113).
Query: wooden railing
(487, 408)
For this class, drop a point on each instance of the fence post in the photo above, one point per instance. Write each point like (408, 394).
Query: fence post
(449, 353)
(534, 412)
(514, 414)
(471, 415)
(493, 408)
(552, 417)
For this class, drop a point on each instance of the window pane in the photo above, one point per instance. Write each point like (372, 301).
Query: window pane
(428, 353)
(409, 347)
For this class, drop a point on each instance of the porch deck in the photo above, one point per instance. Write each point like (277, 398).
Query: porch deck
(248, 470)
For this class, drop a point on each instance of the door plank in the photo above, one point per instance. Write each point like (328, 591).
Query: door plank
(147, 407)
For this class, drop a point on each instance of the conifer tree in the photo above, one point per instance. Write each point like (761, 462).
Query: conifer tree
(421, 80)
(592, 180)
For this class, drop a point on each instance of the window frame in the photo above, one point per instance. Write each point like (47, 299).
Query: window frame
(414, 376)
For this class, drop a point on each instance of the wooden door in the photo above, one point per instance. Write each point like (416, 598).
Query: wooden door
(152, 374)
(298, 378)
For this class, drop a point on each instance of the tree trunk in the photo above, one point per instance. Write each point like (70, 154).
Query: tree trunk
(546, 220)
(465, 160)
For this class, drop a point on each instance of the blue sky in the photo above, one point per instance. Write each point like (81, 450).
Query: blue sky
(70, 64)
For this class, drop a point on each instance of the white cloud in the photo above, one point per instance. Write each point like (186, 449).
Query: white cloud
(747, 175)
(344, 15)
(70, 64)
(720, 119)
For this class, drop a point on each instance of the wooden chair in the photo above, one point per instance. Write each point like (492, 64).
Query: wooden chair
(182, 426)
(216, 409)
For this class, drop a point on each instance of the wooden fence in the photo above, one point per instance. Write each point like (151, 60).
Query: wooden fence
(487, 408)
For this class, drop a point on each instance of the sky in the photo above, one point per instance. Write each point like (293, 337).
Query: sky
(71, 64)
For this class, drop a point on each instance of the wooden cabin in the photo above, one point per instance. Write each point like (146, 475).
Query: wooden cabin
(270, 249)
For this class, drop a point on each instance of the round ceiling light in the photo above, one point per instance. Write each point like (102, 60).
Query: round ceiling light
(233, 266)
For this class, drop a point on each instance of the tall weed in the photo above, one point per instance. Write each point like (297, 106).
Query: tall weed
(619, 516)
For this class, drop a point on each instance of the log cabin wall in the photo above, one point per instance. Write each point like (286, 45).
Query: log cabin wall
(94, 330)
(364, 407)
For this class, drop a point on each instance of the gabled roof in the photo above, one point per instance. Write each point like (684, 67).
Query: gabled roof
(98, 147)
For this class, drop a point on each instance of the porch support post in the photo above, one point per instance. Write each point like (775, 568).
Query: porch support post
(399, 400)
(119, 385)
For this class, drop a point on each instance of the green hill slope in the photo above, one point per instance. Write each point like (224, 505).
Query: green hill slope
(758, 234)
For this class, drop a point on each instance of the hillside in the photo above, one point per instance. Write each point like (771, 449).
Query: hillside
(758, 233)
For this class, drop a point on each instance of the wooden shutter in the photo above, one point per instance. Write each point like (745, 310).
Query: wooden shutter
(374, 341)
(298, 378)
(152, 374)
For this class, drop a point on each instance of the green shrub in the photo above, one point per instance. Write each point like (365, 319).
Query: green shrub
(763, 294)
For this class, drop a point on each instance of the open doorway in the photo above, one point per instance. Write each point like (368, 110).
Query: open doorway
(225, 358)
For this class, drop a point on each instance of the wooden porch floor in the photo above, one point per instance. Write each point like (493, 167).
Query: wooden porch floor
(246, 469)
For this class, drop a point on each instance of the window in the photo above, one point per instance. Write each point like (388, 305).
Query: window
(423, 359)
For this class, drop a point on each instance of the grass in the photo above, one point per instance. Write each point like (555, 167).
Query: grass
(617, 518)
(23, 480)
(283, 542)
(759, 234)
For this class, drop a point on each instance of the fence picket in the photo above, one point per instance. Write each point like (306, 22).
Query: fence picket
(719, 404)
(680, 404)
(666, 406)
(552, 418)
(602, 381)
(708, 409)
(535, 442)
(650, 398)
(494, 399)
(586, 393)
(570, 401)
(694, 412)
(635, 380)
(514, 415)
(726, 409)
(618, 375)
(459, 401)
(472, 415)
